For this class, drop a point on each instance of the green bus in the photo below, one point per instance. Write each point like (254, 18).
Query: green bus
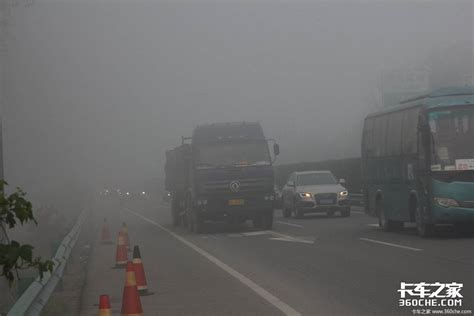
(418, 161)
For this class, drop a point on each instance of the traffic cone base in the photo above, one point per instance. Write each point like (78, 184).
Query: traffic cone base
(131, 304)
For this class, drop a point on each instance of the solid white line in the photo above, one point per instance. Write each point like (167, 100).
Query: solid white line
(282, 306)
(390, 244)
(290, 224)
(373, 225)
(358, 212)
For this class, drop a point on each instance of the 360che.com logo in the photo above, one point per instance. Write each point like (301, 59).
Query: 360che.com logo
(426, 294)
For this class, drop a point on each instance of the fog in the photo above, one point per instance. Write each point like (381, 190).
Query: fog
(97, 91)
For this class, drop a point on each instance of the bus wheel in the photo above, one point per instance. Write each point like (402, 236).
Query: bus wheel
(384, 223)
(423, 229)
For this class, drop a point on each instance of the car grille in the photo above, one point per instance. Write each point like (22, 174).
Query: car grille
(325, 198)
(466, 204)
(246, 185)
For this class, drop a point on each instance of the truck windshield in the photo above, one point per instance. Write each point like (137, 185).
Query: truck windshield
(233, 154)
(316, 179)
(452, 139)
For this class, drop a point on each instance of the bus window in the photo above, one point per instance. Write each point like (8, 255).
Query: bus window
(380, 133)
(394, 134)
(367, 141)
(410, 130)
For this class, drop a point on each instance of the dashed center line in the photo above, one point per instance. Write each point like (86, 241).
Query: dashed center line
(275, 301)
(390, 244)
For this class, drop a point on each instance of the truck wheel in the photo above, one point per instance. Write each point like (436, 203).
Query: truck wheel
(176, 219)
(298, 213)
(267, 220)
(175, 212)
(257, 221)
(346, 212)
(197, 223)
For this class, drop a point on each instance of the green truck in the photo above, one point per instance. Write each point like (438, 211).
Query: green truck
(224, 172)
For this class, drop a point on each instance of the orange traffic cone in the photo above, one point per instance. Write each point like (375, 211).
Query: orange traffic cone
(104, 306)
(125, 236)
(121, 256)
(139, 271)
(105, 236)
(131, 304)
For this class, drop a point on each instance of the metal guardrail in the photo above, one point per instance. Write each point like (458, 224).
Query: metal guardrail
(36, 296)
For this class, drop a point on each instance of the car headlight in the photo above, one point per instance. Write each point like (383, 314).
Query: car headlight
(305, 195)
(343, 193)
(446, 202)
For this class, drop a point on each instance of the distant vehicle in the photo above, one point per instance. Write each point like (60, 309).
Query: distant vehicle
(225, 173)
(314, 192)
(167, 197)
(418, 161)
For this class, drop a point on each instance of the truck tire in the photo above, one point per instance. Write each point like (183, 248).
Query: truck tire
(267, 220)
(257, 221)
(346, 212)
(175, 213)
(298, 213)
(197, 223)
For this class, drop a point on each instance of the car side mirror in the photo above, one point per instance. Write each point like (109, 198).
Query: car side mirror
(276, 149)
(342, 181)
(290, 184)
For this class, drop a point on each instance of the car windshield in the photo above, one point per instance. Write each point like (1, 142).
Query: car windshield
(316, 179)
(233, 154)
(452, 139)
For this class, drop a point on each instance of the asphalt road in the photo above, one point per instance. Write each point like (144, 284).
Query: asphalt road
(311, 266)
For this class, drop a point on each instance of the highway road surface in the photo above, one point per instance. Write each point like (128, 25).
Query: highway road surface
(311, 266)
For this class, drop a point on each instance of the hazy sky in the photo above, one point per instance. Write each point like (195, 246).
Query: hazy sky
(100, 90)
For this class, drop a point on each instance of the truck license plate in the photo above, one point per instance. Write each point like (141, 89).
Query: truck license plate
(236, 202)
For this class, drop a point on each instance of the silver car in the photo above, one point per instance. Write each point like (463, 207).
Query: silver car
(314, 192)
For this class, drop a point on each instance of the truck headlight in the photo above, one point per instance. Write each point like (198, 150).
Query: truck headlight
(446, 202)
(343, 194)
(305, 195)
